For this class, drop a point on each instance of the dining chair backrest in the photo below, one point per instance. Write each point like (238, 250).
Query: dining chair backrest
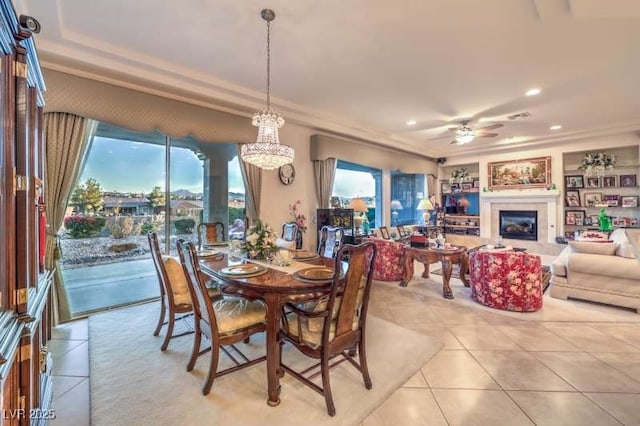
(350, 290)
(290, 231)
(202, 306)
(173, 285)
(331, 238)
(210, 233)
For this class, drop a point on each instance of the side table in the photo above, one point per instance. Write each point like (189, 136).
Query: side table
(448, 256)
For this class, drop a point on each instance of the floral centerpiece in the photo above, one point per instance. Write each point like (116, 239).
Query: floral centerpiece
(299, 218)
(597, 164)
(459, 175)
(260, 241)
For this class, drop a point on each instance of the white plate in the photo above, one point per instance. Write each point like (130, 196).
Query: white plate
(245, 269)
(207, 253)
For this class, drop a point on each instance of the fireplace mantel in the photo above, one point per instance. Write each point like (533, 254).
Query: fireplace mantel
(528, 195)
(515, 198)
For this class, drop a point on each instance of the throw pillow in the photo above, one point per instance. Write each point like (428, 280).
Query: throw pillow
(625, 249)
(633, 235)
(608, 249)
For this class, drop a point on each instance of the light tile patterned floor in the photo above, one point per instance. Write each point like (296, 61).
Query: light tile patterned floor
(494, 369)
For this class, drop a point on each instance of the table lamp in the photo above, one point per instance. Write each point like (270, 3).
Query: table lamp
(425, 205)
(395, 206)
(358, 205)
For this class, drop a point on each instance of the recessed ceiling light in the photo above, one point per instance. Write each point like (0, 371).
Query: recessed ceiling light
(533, 92)
(555, 127)
(411, 123)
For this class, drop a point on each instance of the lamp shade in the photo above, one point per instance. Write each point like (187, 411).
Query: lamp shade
(425, 204)
(396, 205)
(358, 205)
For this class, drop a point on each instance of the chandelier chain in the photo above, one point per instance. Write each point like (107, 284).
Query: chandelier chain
(268, 65)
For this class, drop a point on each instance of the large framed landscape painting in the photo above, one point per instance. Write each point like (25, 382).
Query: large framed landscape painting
(520, 174)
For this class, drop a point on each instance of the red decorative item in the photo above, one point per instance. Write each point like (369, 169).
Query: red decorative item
(388, 265)
(507, 280)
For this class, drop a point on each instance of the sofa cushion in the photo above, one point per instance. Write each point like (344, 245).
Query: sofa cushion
(588, 247)
(559, 264)
(607, 266)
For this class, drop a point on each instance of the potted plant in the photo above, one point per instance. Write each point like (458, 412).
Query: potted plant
(597, 164)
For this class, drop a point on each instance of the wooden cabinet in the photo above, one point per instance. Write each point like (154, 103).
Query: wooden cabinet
(25, 325)
(617, 190)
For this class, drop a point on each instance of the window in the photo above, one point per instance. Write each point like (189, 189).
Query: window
(406, 192)
(354, 180)
(132, 183)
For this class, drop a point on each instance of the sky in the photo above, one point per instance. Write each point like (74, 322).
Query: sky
(125, 166)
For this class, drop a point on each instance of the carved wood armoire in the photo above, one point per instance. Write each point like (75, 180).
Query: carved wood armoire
(25, 285)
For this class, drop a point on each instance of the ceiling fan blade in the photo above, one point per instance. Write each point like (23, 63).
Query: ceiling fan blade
(486, 135)
(491, 127)
(439, 137)
(455, 142)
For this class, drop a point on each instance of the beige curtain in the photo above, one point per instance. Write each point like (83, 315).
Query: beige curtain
(324, 173)
(67, 138)
(252, 178)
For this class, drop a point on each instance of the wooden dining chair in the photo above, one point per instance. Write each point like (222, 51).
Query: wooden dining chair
(331, 238)
(333, 328)
(223, 322)
(210, 233)
(175, 299)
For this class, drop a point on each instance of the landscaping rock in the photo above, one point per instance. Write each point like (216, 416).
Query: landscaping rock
(119, 248)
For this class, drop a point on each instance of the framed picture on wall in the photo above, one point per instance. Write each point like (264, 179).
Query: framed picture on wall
(610, 181)
(629, 201)
(476, 183)
(574, 181)
(628, 181)
(520, 174)
(594, 182)
(573, 198)
(592, 199)
(445, 187)
(612, 200)
(574, 217)
(466, 186)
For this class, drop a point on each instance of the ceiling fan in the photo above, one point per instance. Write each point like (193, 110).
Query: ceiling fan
(466, 134)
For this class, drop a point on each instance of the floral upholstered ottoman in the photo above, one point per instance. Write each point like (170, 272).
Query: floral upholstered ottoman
(506, 280)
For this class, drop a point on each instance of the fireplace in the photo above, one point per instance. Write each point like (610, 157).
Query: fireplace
(519, 224)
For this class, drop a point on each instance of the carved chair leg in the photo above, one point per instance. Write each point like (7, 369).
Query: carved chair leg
(363, 364)
(196, 347)
(172, 320)
(326, 385)
(213, 367)
(163, 310)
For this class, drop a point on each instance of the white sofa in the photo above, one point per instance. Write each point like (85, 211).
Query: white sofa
(605, 272)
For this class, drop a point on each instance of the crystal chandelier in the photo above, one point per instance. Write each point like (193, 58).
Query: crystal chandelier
(267, 152)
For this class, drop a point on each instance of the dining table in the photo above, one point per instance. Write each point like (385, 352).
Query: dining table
(276, 286)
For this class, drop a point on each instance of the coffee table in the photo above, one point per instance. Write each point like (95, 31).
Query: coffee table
(428, 255)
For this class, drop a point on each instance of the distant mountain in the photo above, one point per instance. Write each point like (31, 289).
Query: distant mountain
(185, 193)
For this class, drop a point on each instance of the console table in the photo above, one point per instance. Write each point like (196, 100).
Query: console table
(426, 256)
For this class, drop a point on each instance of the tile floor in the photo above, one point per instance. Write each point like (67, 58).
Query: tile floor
(493, 370)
